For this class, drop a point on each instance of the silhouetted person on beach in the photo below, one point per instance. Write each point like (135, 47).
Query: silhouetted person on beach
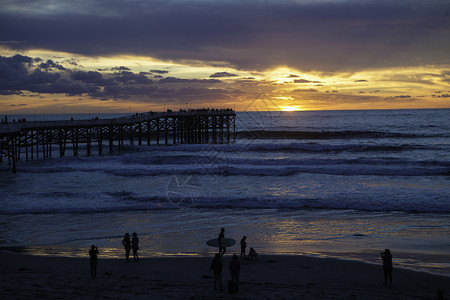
(216, 266)
(386, 256)
(93, 254)
(235, 268)
(440, 295)
(135, 246)
(252, 254)
(126, 242)
(222, 249)
(243, 245)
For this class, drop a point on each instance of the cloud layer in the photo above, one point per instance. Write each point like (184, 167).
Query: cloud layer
(20, 74)
(255, 35)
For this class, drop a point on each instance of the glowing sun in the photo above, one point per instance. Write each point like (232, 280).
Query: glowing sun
(290, 108)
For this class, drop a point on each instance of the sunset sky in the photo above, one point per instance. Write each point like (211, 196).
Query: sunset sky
(135, 55)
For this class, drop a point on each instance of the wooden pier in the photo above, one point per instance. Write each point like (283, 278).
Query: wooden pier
(29, 140)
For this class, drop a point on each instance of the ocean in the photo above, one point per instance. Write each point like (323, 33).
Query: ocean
(342, 184)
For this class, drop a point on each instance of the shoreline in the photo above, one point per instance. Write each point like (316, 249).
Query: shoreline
(46, 251)
(270, 277)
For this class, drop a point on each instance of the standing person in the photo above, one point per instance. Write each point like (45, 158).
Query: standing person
(93, 254)
(222, 249)
(386, 256)
(440, 295)
(216, 266)
(135, 246)
(243, 245)
(126, 242)
(235, 268)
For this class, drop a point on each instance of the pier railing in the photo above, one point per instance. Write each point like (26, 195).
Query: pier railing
(30, 139)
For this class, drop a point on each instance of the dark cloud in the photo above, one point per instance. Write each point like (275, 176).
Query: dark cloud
(22, 59)
(191, 94)
(159, 71)
(132, 78)
(182, 80)
(13, 70)
(39, 77)
(62, 86)
(361, 80)
(222, 74)
(87, 77)
(313, 35)
(304, 91)
(302, 81)
(50, 64)
(441, 96)
(121, 68)
(10, 92)
(20, 73)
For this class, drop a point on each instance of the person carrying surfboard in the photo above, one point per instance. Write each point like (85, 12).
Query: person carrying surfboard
(222, 249)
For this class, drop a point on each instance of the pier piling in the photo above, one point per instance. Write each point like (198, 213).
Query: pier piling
(191, 127)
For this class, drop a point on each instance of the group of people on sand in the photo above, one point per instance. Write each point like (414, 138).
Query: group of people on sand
(128, 243)
(251, 254)
(131, 244)
(234, 266)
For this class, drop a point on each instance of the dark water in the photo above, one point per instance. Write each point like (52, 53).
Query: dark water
(329, 183)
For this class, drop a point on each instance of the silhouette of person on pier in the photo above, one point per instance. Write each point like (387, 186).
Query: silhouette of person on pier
(386, 256)
(135, 246)
(222, 249)
(93, 259)
(126, 242)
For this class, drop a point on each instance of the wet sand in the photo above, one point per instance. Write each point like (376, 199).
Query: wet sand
(271, 277)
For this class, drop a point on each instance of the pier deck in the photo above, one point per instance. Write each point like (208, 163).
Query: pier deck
(31, 140)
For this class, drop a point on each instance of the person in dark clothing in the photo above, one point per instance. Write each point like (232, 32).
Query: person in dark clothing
(252, 254)
(235, 268)
(440, 295)
(216, 266)
(243, 245)
(386, 256)
(135, 246)
(126, 242)
(222, 249)
(93, 254)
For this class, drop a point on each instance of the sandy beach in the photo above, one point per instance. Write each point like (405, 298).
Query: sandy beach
(271, 277)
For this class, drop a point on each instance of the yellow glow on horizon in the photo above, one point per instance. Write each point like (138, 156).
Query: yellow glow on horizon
(291, 108)
(281, 88)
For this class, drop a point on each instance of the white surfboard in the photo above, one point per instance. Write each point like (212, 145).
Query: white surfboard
(226, 242)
